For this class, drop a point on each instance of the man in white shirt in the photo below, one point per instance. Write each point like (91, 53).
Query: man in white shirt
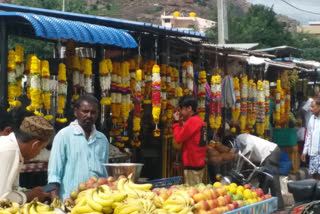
(23, 144)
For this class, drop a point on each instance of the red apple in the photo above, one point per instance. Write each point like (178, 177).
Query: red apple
(259, 192)
(235, 204)
(90, 181)
(213, 203)
(230, 207)
(81, 186)
(102, 181)
(208, 194)
(240, 203)
(247, 186)
(227, 198)
(214, 193)
(198, 197)
(225, 209)
(218, 210)
(202, 205)
(95, 185)
(267, 196)
(221, 201)
(111, 179)
(213, 212)
(221, 191)
(74, 194)
(192, 191)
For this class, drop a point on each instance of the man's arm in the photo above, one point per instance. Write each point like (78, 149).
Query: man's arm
(307, 141)
(182, 134)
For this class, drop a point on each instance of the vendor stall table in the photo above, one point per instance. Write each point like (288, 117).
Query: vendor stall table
(263, 207)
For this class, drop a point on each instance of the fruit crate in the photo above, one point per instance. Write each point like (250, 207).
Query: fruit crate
(263, 207)
(165, 182)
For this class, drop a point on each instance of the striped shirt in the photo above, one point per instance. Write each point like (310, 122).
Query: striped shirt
(74, 159)
(312, 140)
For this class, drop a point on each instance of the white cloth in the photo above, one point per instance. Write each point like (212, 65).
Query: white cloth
(311, 145)
(258, 148)
(306, 108)
(11, 162)
(301, 133)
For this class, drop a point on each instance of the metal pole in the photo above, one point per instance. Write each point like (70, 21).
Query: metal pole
(63, 5)
(222, 22)
(4, 66)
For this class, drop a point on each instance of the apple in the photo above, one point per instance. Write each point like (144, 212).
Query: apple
(247, 186)
(221, 201)
(240, 203)
(208, 194)
(111, 179)
(202, 212)
(267, 196)
(221, 191)
(95, 185)
(218, 210)
(213, 203)
(225, 209)
(102, 181)
(235, 204)
(164, 196)
(199, 197)
(74, 194)
(214, 193)
(202, 205)
(192, 191)
(227, 198)
(81, 186)
(213, 212)
(230, 207)
(94, 178)
(90, 181)
(259, 192)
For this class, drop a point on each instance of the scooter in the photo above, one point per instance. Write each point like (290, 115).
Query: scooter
(306, 194)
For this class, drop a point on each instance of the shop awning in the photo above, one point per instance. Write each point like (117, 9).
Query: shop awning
(56, 28)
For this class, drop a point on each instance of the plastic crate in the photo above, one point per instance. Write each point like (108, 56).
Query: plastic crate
(165, 182)
(263, 207)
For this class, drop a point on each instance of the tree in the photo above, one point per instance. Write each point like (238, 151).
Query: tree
(309, 44)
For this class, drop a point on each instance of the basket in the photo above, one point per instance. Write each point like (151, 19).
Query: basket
(165, 182)
(263, 207)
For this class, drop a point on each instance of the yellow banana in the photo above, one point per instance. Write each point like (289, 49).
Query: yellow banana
(95, 206)
(185, 210)
(130, 209)
(4, 212)
(107, 210)
(105, 188)
(157, 201)
(120, 184)
(171, 201)
(81, 202)
(101, 201)
(26, 208)
(82, 209)
(116, 204)
(174, 208)
(49, 212)
(33, 208)
(14, 208)
(144, 187)
(118, 196)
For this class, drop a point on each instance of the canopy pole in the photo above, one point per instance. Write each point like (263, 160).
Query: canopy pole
(4, 65)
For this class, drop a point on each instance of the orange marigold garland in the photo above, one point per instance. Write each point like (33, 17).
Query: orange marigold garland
(267, 104)
(156, 98)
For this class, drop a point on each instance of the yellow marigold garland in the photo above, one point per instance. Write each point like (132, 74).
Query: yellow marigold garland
(13, 89)
(137, 109)
(202, 94)
(278, 104)
(46, 94)
(76, 77)
(236, 106)
(88, 76)
(260, 109)
(156, 98)
(244, 99)
(35, 87)
(215, 103)
(62, 93)
(267, 104)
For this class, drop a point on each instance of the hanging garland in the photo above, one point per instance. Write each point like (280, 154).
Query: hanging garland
(202, 94)
(163, 87)
(184, 78)
(35, 86)
(267, 104)
(244, 98)
(125, 98)
(148, 82)
(236, 106)
(252, 105)
(27, 72)
(76, 77)
(19, 51)
(46, 94)
(12, 81)
(278, 105)
(261, 108)
(137, 109)
(215, 103)
(81, 75)
(88, 77)
(105, 81)
(287, 104)
(156, 98)
(62, 93)
(170, 106)
(190, 79)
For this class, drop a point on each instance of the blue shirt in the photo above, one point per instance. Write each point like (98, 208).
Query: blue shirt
(74, 159)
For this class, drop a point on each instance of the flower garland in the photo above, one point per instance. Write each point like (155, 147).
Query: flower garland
(190, 79)
(137, 109)
(202, 94)
(163, 93)
(35, 86)
(105, 81)
(148, 82)
(132, 71)
(46, 94)
(287, 104)
(62, 93)
(76, 77)
(19, 51)
(27, 71)
(156, 98)
(244, 98)
(12, 81)
(170, 101)
(215, 103)
(252, 105)
(261, 109)
(278, 104)
(184, 77)
(236, 106)
(125, 98)
(267, 104)
(81, 75)
(88, 76)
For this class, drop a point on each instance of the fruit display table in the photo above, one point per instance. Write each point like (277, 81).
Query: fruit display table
(263, 207)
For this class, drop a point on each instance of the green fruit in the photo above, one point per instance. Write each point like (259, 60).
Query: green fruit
(210, 185)
(229, 193)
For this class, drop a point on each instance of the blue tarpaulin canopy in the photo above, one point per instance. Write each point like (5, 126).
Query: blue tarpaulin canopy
(56, 28)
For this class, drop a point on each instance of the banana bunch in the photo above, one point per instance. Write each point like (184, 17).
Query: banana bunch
(126, 184)
(7, 207)
(98, 200)
(36, 207)
(57, 203)
(179, 202)
(140, 205)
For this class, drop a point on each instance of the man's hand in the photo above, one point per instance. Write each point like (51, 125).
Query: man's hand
(37, 192)
(176, 116)
(303, 157)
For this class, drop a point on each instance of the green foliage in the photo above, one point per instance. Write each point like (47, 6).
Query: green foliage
(201, 2)
(309, 44)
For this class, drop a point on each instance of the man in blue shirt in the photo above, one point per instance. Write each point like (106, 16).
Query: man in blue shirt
(78, 150)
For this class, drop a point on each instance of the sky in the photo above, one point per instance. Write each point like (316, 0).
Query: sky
(282, 8)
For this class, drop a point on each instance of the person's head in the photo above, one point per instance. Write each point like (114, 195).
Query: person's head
(34, 135)
(6, 125)
(86, 111)
(188, 105)
(315, 106)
